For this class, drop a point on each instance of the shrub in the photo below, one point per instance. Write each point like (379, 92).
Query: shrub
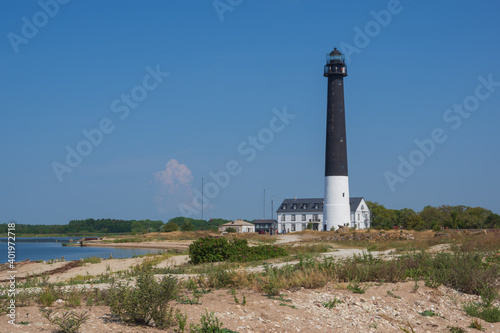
(332, 303)
(170, 226)
(490, 314)
(209, 323)
(92, 260)
(147, 303)
(215, 249)
(69, 322)
(47, 296)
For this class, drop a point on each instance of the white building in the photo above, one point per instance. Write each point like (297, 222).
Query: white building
(296, 214)
(239, 226)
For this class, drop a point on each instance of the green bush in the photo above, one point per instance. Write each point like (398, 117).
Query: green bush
(68, 322)
(47, 296)
(215, 249)
(170, 226)
(209, 323)
(147, 303)
(490, 314)
(230, 229)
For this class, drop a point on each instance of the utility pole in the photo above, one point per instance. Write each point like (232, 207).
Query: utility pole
(202, 198)
(264, 206)
(272, 208)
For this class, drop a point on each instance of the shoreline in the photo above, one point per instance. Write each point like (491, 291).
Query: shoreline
(177, 245)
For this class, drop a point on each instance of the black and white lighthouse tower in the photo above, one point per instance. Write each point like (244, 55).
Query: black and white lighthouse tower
(336, 210)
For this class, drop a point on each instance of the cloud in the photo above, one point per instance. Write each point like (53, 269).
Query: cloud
(174, 186)
(174, 176)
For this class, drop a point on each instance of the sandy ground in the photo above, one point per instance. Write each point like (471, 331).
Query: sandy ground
(383, 308)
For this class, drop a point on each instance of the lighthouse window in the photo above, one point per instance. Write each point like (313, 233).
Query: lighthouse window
(343, 195)
(341, 109)
(341, 139)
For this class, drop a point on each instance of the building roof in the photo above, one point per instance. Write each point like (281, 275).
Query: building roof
(264, 221)
(301, 205)
(355, 202)
(238, 223)
(311, 205)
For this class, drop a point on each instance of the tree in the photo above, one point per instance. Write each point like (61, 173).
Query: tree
(170, 226)
(382, 218)
(405, 217)
(432, 216)
(493, 221)
(138, 227)
(230, 229)
(187, 226)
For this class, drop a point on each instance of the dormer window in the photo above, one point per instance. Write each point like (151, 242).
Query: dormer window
(304, 206)
(284, 206)
(316, 206)
(294, 206)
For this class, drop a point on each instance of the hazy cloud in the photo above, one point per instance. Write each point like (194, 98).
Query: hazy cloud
(174, 186)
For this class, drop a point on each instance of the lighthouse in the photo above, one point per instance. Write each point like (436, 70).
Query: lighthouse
(336, 209)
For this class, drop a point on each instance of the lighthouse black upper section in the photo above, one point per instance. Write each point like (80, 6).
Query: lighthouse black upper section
(336, 143)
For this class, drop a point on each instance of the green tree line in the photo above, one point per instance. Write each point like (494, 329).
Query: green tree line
(114, 226)
(435, 218)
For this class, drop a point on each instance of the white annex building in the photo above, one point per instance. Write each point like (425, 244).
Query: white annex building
(295, 214)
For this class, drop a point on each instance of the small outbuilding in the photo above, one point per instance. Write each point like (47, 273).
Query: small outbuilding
(266, 226)
(239, 225)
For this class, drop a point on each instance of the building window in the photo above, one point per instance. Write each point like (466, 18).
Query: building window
(341, 109)
(293, 217)
(304, 206)
(315, 217)
(293, 226)
(359, 217)
(304, 226)
(343, 195)
(283, 217)
(284, 206)
(341, 139)
(303, 217)
(294, 206)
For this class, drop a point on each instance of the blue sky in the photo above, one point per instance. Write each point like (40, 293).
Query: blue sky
(233, 67)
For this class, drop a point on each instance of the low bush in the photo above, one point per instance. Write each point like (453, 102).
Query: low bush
(215, 249)
(92, 260)
(490, 314)
(209, 323)
(68, 322)
(147, 303)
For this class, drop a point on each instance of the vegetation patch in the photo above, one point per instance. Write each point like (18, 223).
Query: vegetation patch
(216, 249)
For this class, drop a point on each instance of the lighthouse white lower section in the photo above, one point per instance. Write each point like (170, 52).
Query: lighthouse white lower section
(336, 210)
